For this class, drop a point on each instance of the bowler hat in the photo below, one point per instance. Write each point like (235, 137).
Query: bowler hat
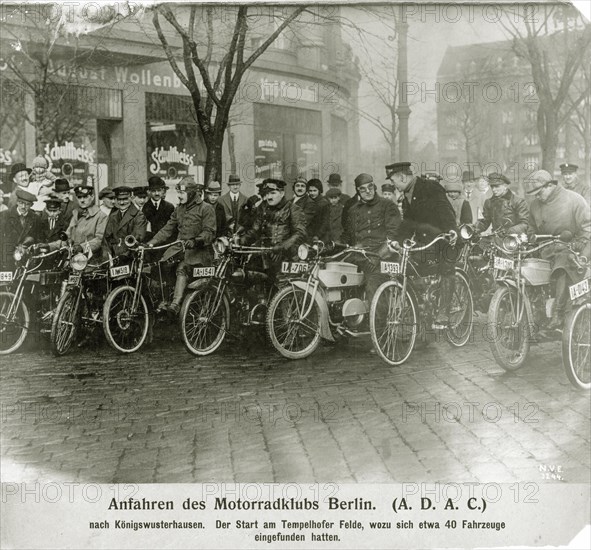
(537, 181)
(25, 195)
(233, 179)
(453, 187)
(141, 192)
(362, 179)
(467, 176)
(18, 167)
(156, 182)
(214, 187)
(61, 184)
(334, 179)
(568, 168)
(498, 179)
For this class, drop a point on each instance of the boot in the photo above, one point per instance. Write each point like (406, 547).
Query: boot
(446, 290)
(179, 292)
(559, 303)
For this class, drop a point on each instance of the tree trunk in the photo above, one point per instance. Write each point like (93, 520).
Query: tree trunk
(231, 148)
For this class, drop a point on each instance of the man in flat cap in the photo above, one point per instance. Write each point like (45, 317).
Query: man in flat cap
(19, 224)
(426, 213)
(212, 196)
(335, 182)
(54, 224)
(87, 226)
(157, 210)
(193, 222)
(335, 213)
(571, 181)
(370, 222)
(281, 225)
(504, 211)
(254, 206)
(233, 201)
(139, 196)
(107, 200)
(460, 205)
(554, 210)
(125, 219)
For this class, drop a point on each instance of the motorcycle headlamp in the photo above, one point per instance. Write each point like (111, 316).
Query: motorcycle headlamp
(78, 262)
(19, 253)
(466, 232)
(220, 245)
(303, 252)
(511, 243)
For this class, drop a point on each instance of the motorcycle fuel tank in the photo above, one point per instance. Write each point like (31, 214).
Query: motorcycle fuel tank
(339, 274)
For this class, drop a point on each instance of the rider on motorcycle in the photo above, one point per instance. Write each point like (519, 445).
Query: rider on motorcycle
(193, 221)
(554, 210)
(426, 212)
(280, 225)
(369, 223)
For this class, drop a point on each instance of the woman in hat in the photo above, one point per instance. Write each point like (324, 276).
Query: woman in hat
(460, 205)
(318, 225)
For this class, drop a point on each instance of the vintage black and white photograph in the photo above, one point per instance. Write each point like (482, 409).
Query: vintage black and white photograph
(295, 243)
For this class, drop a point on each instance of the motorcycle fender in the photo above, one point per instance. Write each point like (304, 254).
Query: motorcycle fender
(197, 283)
(324, 324)
(511, 283)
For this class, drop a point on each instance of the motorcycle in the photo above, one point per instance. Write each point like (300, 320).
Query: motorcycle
(81, 304)
(412, 294)
(324, 299)
(576, 334)
(32, 290)
(521, 306)
(130, 309)
(233, 293)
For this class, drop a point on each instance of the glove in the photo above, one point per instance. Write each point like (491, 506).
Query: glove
(241, 241)
(277, 249)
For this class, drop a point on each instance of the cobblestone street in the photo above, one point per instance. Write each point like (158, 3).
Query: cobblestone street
(342, 415)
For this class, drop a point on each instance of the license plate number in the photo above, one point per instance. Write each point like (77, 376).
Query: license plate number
(119, 271)
(5, 276)
(74, 279)
(503, 263)
(578, 290)
(293, 267)
(203, 271)
(390, 267)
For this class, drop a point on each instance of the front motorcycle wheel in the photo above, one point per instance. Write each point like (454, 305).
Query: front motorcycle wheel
(126, 329)
(393, 323)
(13, 328)
(576, 343)
(292, 336)
(66, 321)
(205, 319)
(461, 313)
(510, 335)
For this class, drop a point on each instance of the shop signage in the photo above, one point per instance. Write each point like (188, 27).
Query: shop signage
(169, 155)
(69, 161)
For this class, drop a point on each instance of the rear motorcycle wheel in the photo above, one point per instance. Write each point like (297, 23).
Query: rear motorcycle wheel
(205, 319)
(576, 343)
(509, 338)
(393, 323)
(13, 330)
(461, 314)
(292, 336)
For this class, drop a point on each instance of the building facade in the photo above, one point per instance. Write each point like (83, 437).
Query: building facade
(294, 113)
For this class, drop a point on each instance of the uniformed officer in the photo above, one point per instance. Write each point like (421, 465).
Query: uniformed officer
(193, 221)
(426, 213)
(571, 181)
(107, 200)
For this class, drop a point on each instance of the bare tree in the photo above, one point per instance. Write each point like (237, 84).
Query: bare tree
(581, 117)
(211, 81)
(555, 61)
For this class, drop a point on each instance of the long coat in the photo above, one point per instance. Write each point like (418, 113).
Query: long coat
(189, 221)
(462, 209)
(86, 229)
(226, 202)
(499, 210)
(131, 222)
(564, 210)
(13, 232)
(316, 212)
(157, 217)
(370, 224)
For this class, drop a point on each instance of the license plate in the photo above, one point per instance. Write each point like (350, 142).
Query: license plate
(203, 271)
(294, 267)
(578, 290)
(5, 276)
(503, 263)
(74, 279)
(390, 267)
(119, 271)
